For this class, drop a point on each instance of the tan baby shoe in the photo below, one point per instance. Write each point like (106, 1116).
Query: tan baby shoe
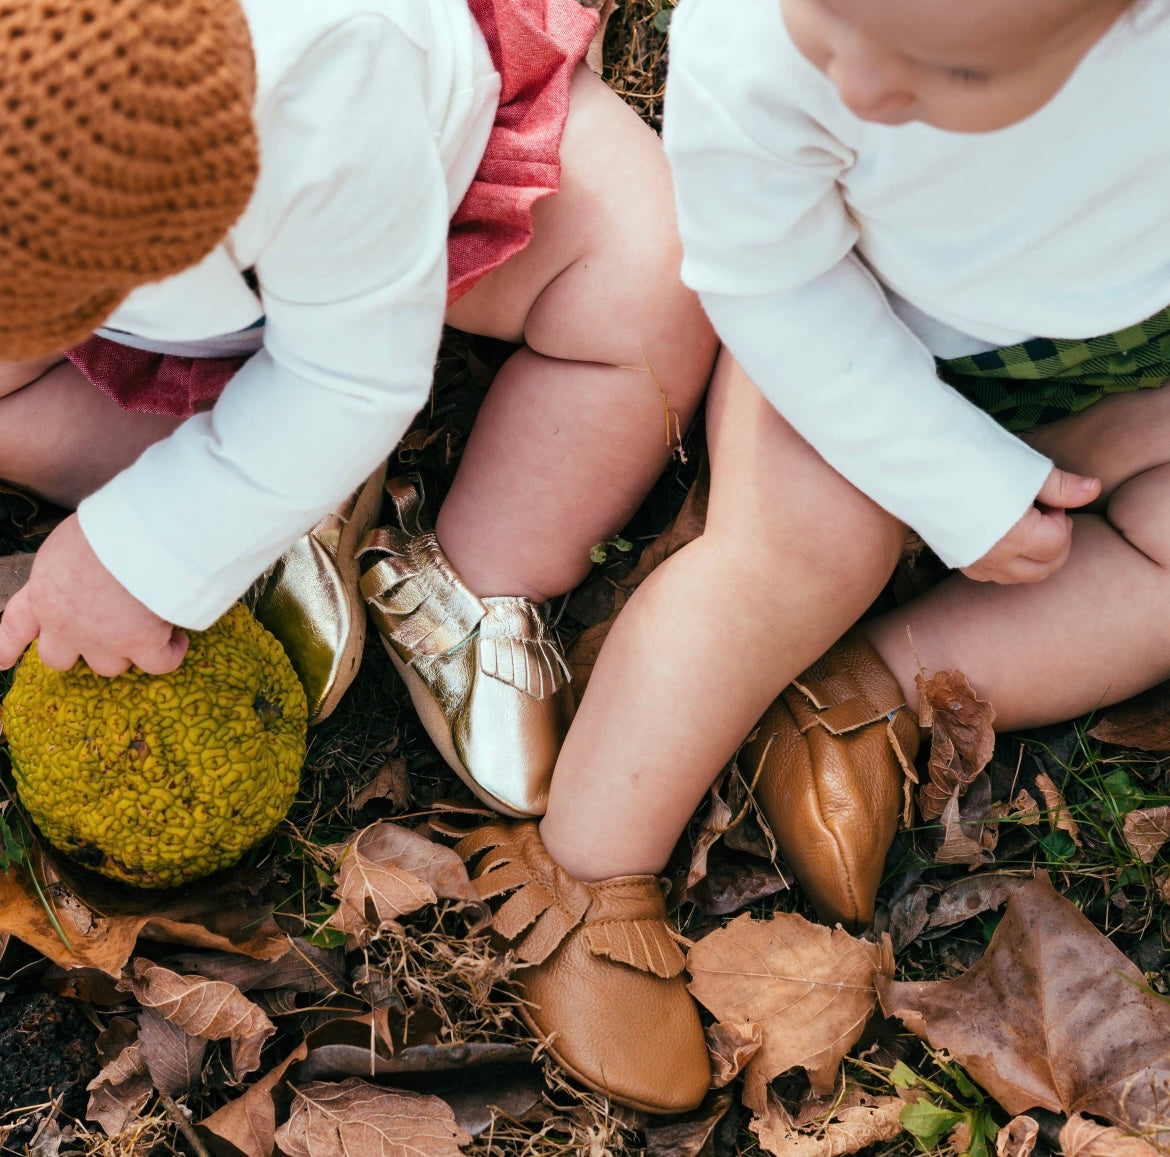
(487, 677)
(828, 761)
(603, 985)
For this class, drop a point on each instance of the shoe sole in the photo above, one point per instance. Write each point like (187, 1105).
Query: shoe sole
(437, 727)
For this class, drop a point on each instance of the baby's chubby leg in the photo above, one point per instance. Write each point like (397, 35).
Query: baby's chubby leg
(791, 556)
(575, 427)
(1096, 631)
(60, 437)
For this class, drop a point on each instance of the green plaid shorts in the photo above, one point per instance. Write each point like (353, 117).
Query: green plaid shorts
(1038, 381)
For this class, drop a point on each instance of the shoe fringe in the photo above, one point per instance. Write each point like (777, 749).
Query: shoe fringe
(543, 907)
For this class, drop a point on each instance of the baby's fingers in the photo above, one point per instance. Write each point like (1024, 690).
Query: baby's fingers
(18, 628)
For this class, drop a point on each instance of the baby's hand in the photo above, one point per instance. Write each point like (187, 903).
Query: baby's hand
(1038, 544)
(76, 608)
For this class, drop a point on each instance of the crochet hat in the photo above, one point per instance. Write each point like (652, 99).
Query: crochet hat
(127, 151)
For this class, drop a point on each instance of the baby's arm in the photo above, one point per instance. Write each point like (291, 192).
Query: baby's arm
(768, 245)
(353, 280)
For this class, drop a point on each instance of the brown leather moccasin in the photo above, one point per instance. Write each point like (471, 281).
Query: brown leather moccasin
(603, 988)
(829, 760)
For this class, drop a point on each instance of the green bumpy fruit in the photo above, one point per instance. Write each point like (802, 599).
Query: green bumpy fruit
(157, 780)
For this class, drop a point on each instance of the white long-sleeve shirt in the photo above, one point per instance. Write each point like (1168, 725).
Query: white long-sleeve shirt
(836, 256)
(372, 117)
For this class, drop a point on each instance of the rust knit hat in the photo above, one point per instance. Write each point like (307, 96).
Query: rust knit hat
(127, 151)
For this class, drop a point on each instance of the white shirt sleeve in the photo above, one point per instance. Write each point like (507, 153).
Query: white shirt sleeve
(353, 277)
(768, 246)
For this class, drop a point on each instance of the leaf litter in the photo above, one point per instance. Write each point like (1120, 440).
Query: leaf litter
(370, 977)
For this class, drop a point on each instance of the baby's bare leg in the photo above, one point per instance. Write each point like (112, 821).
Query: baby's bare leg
(1096, 631)
(62, 438)
(791, 557)
(575, 428)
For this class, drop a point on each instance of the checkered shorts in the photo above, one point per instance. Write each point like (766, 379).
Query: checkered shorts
(1039, 381)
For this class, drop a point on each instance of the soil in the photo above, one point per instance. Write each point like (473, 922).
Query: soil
(47, 1053)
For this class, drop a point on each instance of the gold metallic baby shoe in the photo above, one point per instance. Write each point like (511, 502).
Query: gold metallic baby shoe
(309, 598)
(487, 678)
(827, 760)
(603, 984)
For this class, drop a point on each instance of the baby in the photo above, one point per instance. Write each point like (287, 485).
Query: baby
(876, 200)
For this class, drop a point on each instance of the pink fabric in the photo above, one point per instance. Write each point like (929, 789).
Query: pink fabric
(535, 45)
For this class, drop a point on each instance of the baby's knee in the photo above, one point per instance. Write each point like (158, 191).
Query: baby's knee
(1140, 512)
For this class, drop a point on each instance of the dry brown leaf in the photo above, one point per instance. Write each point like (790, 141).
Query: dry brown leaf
(386, 871)
(249, 1122)
(716, 823)
(173, 1057)
(597, 46)
(1146, 830)
(732, 1044)
(689, 1136)
(957, 846)
(391, 783)
(121, 1089)
(962, 737)
(1080, 1137)
(304, 968)
(1053, 1016)
(852, 1127)
(973, 896)
(14, 572)
(1059, 817)
(1142, 722)
(356, 1119)
(211, 1009)
(1017, 1138)
(810, 988)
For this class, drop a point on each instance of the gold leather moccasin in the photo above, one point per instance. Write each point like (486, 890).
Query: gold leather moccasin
(829, 760)
(602, 987)
(487, 678)
(309, 598)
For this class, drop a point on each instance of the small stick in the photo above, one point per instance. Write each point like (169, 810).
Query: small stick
(185, 1127)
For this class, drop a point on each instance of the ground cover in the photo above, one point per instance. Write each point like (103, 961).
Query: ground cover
(1020, 961)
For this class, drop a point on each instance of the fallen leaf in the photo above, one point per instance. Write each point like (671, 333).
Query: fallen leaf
(850, 1129)
(957, 846)
(735, 882)
(688, 1136)
(1017, 1138)
(304, 968)
(1053, 1016)
(973, 896)
(1059, 817)
(962, 737)
(1080, 1137)
(249, 1122)
(715, 823)
(122, 1088)
(211, 1009)
(908, 917)
(14, 572)
(391, 784)
(386, 871)
(357, 1119)
(173, 1057)
(810, 988)
(732, 1044)
(481, 1097)
(597, 46)
(1142, 723)
(1146, 830)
